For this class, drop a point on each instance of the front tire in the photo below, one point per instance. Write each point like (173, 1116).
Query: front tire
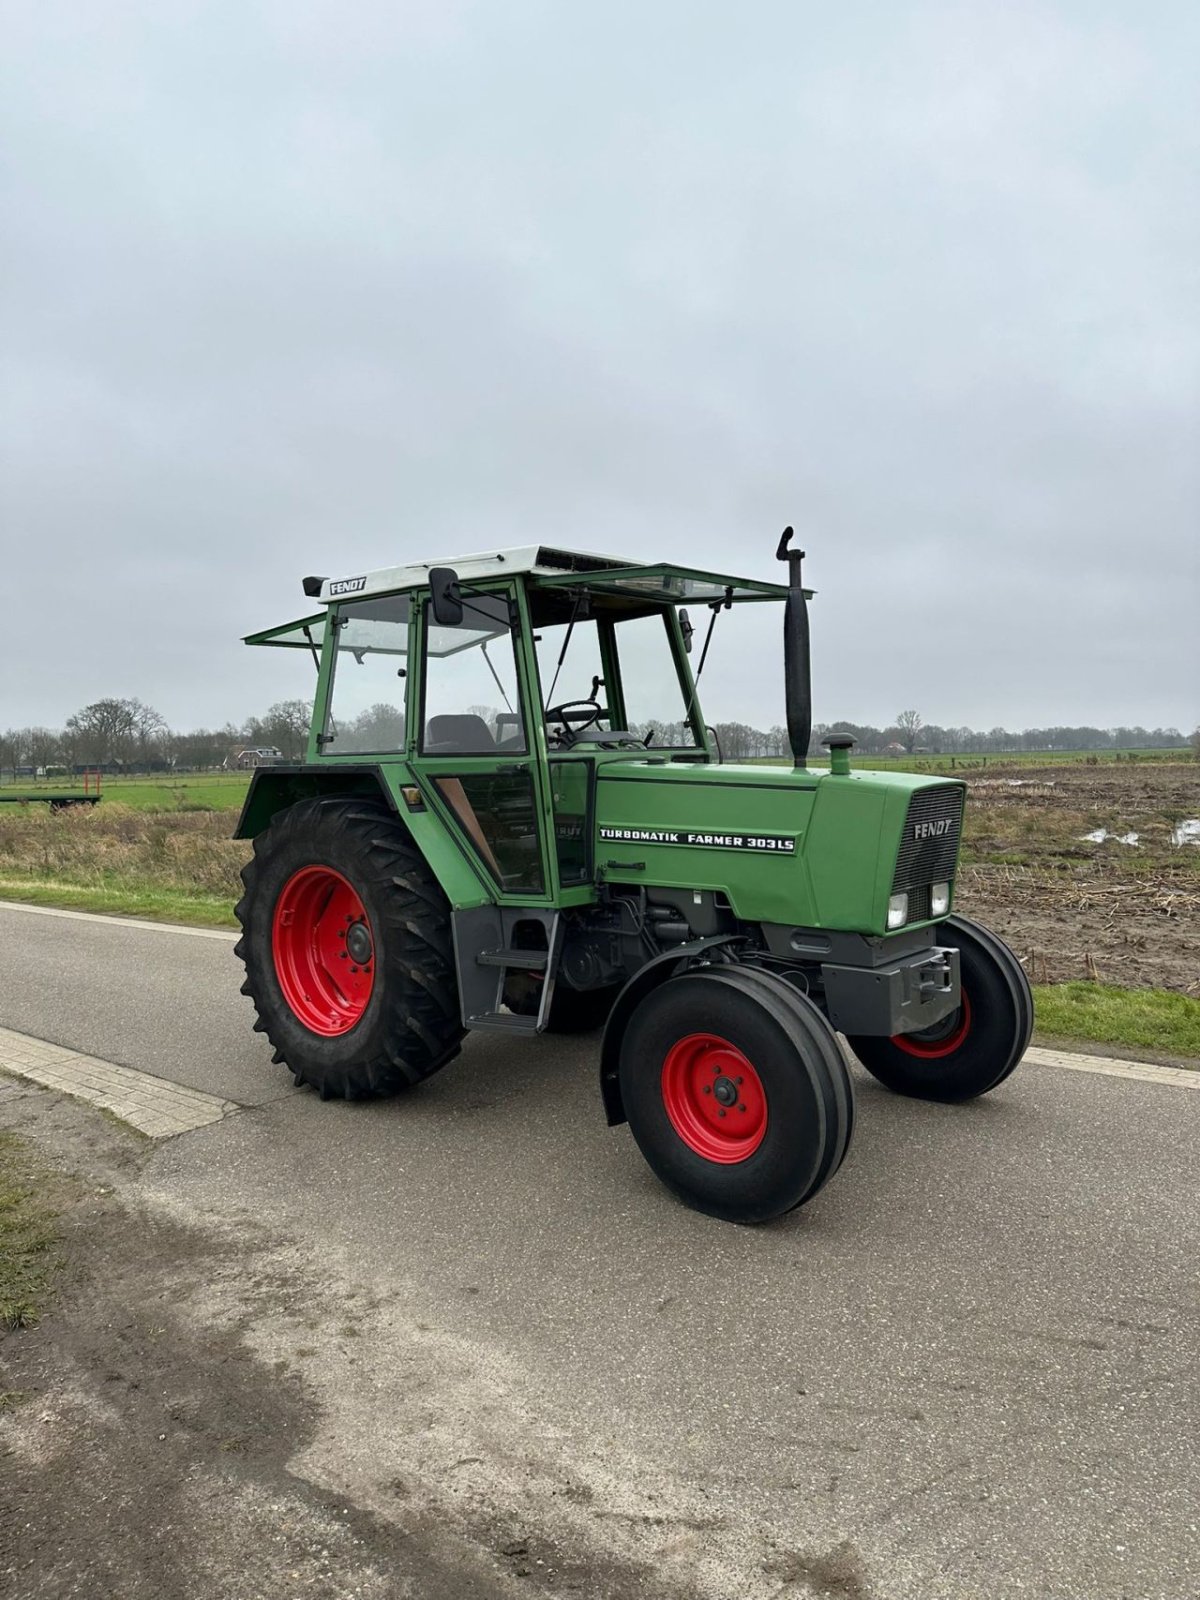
(736, 1092)
(348, 953)
(974, 1049)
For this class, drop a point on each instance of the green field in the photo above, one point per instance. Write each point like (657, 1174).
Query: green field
(201, 791)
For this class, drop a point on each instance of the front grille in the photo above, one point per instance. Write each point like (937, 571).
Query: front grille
(928, 851)
(920, 903)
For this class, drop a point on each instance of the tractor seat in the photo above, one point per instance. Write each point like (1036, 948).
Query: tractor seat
(452, 735)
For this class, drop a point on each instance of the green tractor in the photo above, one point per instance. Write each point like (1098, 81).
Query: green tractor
(469, 846)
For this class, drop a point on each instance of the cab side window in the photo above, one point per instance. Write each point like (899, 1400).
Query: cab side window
(366, 705)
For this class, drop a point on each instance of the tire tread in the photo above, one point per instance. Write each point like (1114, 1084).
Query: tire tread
(905, 1074)
(418, 1025)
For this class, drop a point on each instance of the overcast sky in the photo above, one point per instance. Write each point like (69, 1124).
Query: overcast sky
(300, 287)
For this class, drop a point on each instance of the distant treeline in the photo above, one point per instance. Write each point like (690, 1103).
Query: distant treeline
(127, 735)
(740, 741)
(904, 737)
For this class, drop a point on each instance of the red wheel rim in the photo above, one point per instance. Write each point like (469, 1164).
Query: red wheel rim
(324, 950)
(943, 1039)
(714, 1098)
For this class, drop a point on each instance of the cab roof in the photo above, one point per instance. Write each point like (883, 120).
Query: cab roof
(547, 566)
(639, 586)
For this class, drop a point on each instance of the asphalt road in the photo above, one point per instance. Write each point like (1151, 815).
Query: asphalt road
(968, 1369)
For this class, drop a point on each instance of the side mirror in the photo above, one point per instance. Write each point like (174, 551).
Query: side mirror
(685, 622)
(445, 599)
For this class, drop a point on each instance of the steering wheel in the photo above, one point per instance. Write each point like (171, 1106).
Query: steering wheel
(575, 716)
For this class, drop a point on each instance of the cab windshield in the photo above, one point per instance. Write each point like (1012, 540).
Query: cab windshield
(606, 667)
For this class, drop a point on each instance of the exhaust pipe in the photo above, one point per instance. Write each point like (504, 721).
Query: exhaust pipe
(797, 669)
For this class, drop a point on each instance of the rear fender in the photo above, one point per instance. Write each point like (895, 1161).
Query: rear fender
(644, 980)
(273, 789)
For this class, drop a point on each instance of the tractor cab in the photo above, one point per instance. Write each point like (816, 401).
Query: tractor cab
(504, 681)
(512, 817)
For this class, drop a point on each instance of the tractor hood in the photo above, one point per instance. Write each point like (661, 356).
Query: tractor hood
(808, 848)
(728, 774)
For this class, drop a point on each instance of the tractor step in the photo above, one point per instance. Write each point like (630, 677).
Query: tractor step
(485, 954)
(525, 960)
(504, 1022)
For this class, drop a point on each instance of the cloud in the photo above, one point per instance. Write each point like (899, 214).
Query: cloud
(291, 288)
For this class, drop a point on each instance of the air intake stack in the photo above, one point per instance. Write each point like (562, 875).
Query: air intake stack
(797, 670)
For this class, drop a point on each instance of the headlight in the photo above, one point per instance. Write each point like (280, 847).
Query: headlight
(897, 911)
(939, 899)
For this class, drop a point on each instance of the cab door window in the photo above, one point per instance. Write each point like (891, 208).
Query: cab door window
(472, 698)
(496, 812)
(474, 739)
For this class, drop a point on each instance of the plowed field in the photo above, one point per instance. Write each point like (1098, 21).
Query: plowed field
(1124, 909)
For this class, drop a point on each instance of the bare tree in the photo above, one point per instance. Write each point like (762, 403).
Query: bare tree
(43, 746)
(285, 727)
(381, 727)
(149, 729)
(105, 732)
(910, 725)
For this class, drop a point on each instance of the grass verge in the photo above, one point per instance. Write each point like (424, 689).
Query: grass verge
(1099, 1013)
(181, 868)
(27, 1236)
(154, 905)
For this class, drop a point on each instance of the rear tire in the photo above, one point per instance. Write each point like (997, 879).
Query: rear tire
(974, 1049)
(736, 1092)
(348, 952)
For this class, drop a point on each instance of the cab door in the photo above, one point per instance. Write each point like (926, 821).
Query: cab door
(477, 742)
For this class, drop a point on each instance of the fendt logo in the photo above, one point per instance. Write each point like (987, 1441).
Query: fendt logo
(347, 586)
(932, 830)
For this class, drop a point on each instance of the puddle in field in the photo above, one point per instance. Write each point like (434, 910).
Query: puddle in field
(1012, 783)
(1101, 834)
(1186, 832)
